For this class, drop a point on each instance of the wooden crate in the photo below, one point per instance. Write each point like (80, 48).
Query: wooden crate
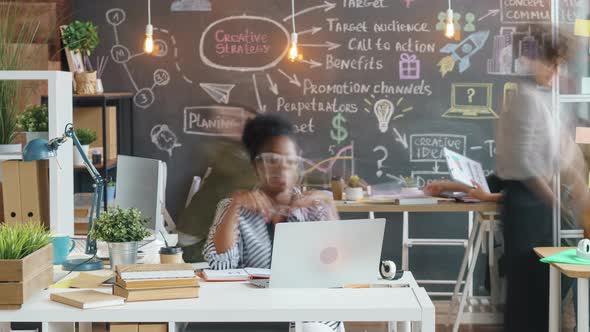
(19, 270)
(16, 293)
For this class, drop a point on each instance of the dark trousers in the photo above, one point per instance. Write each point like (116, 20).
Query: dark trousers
(527, 224)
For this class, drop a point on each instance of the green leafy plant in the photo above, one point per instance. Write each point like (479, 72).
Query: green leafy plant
(85, 136)
(34, 118)
(409, 182)
(81, 37)
(120, 225)
(20, 240)
(18, 30)
(356, 182)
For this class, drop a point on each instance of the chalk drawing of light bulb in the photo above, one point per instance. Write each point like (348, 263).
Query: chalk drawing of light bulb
(383, 110)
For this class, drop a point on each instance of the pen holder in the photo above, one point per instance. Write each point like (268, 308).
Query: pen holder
(171, 255)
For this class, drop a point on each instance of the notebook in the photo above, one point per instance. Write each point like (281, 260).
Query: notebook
(236, 274)
(87, 299)
(156, 294)
(158, 283)
(155, 271)
(465, 170)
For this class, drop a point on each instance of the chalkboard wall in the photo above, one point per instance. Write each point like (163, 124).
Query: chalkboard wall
(378, 82)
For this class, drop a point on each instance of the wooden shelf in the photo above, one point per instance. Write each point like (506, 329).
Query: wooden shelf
(111, 163)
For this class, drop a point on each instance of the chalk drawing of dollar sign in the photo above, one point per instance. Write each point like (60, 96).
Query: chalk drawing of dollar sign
(339, 133)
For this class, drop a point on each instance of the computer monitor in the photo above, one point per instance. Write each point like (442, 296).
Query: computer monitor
(139, 185)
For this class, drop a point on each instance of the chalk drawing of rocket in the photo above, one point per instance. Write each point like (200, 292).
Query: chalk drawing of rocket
(462, 52)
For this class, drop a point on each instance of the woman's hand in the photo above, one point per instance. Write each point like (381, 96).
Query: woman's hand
(318, 200)
(478, 192)
(434, 188)
(255, 200)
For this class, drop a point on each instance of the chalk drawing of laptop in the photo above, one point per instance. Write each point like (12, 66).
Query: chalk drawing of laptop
(471, 101)
(325, 254)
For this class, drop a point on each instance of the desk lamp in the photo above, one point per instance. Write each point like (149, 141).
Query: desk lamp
(40, 149)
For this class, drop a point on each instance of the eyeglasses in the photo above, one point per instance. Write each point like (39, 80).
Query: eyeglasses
(274, 160)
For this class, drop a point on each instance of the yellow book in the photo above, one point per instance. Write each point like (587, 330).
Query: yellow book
(87, 299)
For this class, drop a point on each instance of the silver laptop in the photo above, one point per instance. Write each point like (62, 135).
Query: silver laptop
(326, 254)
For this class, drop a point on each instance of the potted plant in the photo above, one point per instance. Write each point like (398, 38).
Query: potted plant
(86, 137)
(26, 262)
(111, 185)
(82, 37)
(354, 191)
(18, 30)
(34, 122)
(122, 229)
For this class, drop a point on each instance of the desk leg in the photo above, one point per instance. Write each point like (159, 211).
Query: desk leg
(428, 322)
(461, 276)
(58, 327)
(555, 299)
(85, 327)
(403, 326)
(4, 327)
(583, 324)
(468, 282)
(405, 242)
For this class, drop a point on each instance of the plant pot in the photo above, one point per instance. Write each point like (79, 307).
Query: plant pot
(353, 194)
(85, 82)
(31, 135)
(110, 194)
(121, 253)
(78, 161)
(23, 278)
(15, 149)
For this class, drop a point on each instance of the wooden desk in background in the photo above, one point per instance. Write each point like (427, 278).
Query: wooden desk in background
(485, 221)
(579, 272)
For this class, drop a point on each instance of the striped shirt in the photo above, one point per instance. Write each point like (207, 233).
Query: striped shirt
(253, 245)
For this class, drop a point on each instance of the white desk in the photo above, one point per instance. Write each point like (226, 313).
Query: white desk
(247, 304)
(485, 221)
(240, 302)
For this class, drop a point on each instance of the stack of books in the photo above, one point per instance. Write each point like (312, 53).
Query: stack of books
(151, 282)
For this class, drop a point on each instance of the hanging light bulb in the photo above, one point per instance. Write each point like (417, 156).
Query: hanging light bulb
(293, 51)
(450, 25)
(148, 45)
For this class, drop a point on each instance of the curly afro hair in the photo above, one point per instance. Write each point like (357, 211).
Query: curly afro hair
(263, 127)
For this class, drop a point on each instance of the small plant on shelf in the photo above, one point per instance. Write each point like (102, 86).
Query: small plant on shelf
(34, 119)
(85, 136)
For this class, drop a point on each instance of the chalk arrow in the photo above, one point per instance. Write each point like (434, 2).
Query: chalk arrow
(292, 80)
(399, 179)
(261, 107)
(313, 31)
(403, 139)
(491, 12)
(272, 85)
(312, 63)
(435, 168)
(326, 6)
(329, 45)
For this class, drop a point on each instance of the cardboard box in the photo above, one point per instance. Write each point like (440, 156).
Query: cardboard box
(153, 327)
(28, 185)
(91, 118)
(124, 327)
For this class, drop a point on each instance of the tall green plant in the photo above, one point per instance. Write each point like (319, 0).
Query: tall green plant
(22, 239)
(17, 32)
